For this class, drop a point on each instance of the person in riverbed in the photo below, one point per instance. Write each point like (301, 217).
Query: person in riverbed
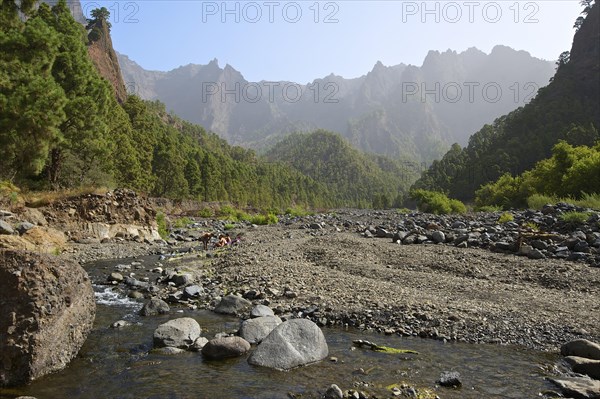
(224, 240)
(205, 239)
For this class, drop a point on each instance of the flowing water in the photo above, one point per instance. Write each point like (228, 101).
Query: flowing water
(117, 363)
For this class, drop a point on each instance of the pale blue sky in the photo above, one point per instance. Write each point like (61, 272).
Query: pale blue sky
(286, 40)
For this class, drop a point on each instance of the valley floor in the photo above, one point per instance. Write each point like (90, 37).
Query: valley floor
(437, 291)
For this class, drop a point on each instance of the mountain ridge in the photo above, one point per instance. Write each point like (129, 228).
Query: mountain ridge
(373, 111)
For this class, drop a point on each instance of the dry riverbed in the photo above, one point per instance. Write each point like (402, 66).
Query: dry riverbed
(432, 291)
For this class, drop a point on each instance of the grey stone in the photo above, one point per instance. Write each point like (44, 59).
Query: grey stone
(199, 344)
(539, 244)
(450, 379)
(261, 310)
(255, 330)
(232, 305)
(585, 366)
(293, 343)
(581, 246)
(177, 333)
(25, 227)
(334, 392)
(535, 254)
(503, 246)
(193, 291)
(438, 237)
(581, 348)
(224, 347)
(120, 324)
(182, 279)
(6, 228)
(114, 276)
(135, 283)
(578, 388)
(154, 306)
(458, 225)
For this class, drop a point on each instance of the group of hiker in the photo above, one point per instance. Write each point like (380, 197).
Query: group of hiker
(223, 240)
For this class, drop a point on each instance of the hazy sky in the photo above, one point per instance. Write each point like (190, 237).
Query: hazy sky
(303, 40)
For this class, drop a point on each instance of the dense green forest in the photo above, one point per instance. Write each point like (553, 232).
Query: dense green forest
(352, 177)
(62, 128)
(567, 109)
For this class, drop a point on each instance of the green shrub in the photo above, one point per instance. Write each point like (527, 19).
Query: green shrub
(403, 211)
(230, 213)
(506, 217)
(591, 201)
(229, 226)
(537, 201)
(161, 221)
(263, 219)
(575, 217)
(297, 211)
(437, 203)
(205, 213)
(182, 222)
(532, 226)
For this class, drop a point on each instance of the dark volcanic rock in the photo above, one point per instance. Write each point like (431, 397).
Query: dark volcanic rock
(47, 309)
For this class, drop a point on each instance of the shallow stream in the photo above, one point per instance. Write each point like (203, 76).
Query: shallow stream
(117, 363)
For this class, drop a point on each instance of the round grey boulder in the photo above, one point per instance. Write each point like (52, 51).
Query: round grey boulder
(255, 330)
(232, 305)
(154, 306)
(334, 392)
(438, 237)
(292, 344)
(224, 347)
(177, 333)
(261, 310)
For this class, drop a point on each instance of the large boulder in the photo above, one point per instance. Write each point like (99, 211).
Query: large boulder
(154, 306)
(261, 310)
(47, 309)
(233, 305)
(581, 348)
(178, 333)
(293, 343)
(224, 347)
(255, 330)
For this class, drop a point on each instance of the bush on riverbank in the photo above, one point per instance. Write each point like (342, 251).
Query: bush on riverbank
(437, 203)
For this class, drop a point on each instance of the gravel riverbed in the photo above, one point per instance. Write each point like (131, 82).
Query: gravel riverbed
(334, 275)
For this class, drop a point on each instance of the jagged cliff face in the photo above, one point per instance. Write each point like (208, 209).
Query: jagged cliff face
(103, 55)
(400, 111)
(101, 51)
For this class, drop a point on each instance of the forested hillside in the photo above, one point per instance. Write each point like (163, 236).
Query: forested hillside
(352, 177)
(567, 109)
